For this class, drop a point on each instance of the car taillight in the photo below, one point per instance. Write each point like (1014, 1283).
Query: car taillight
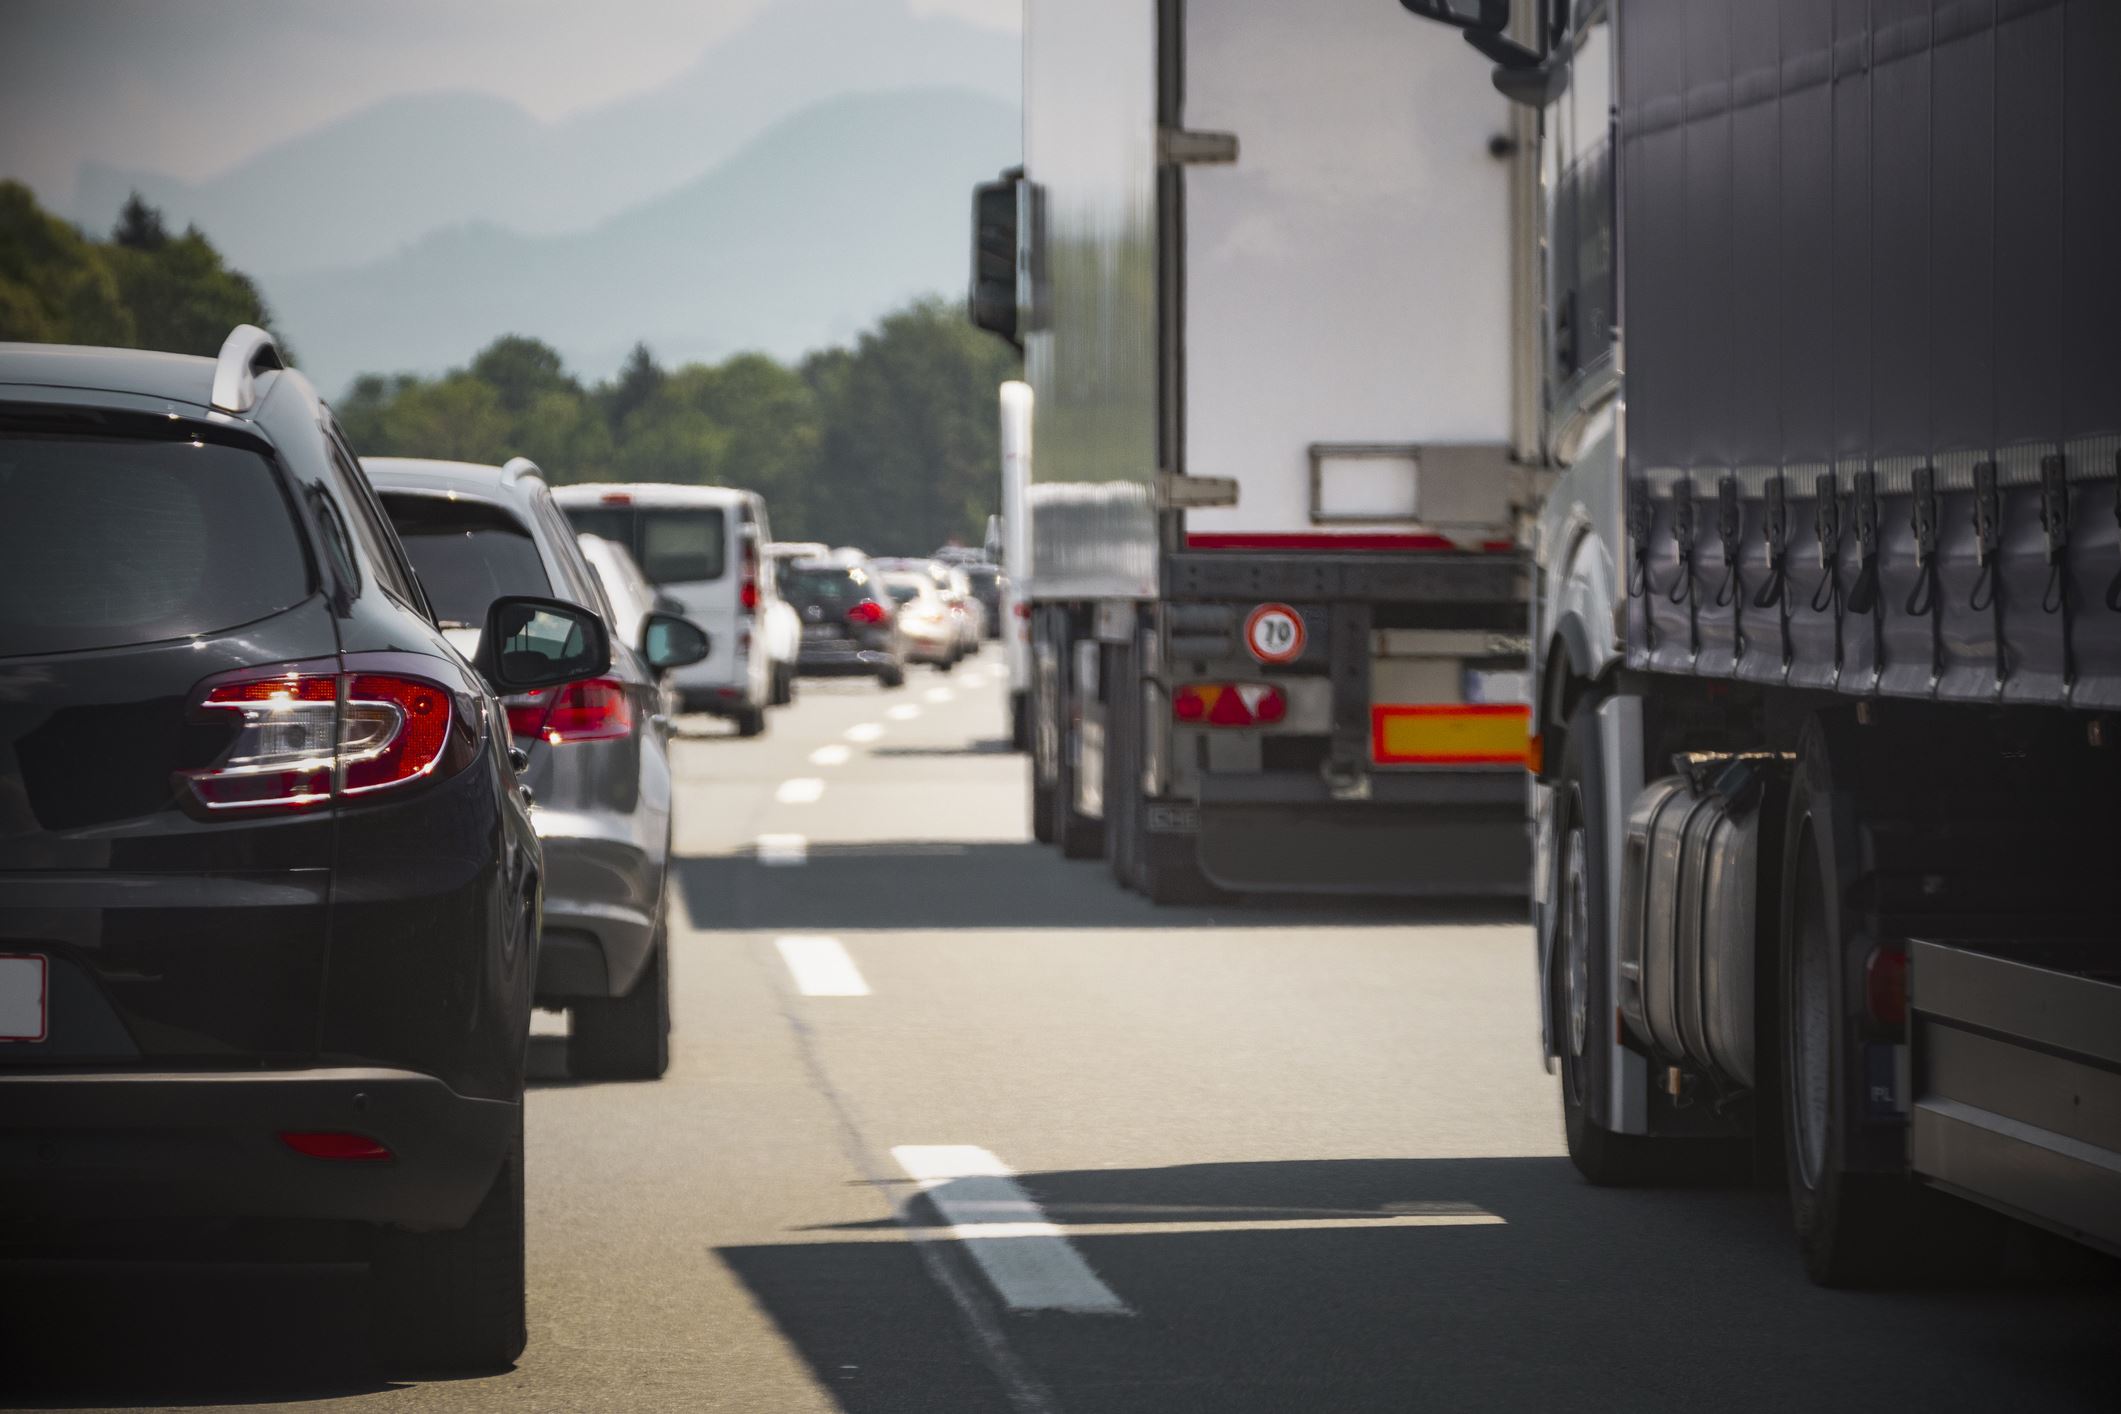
(594, 709)
(1229, 704)
(300, 730)
(866, 612)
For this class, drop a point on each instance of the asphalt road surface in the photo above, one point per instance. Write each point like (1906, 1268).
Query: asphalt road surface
(1237, 1159)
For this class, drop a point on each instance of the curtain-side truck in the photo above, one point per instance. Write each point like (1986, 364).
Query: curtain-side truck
(1259, 260)
(1827, 630)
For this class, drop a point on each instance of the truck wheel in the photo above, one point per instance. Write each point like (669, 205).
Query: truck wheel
(1019, 723)
(625, 1038)
(751, 721)
(454, 1300)
(1857, 1226)
(1582, 1010)
(1078, 836)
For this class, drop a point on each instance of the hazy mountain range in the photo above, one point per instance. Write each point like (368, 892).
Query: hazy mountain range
(801, 178)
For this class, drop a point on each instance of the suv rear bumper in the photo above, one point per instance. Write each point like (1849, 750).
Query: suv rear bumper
(159, 1144)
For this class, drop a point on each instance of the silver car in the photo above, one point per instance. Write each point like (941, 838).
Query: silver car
(599, 766)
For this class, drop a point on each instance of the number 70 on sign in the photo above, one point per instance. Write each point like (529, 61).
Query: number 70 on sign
(1274, 633)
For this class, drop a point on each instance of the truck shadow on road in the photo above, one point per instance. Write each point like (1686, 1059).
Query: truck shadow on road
(912, 884)
(1577, 1298)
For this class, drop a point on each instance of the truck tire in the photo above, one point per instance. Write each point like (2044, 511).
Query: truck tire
(1857, 1226)
(453, 1301)
(1078, 836)
(625, 1038)
(1584, 1014)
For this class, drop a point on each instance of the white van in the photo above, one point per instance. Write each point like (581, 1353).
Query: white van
(704, 547)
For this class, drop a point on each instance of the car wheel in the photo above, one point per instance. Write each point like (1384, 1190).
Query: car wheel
(947, 663)
(454, 1301)
(751, 721)
(625, 1038)
(891, 676)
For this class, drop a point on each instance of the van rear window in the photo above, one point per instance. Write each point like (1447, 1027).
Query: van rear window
(672, 546)
(106, 541)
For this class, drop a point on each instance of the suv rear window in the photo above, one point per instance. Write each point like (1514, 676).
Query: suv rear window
(671, 546)
(107, 541)
(468, 554)
(828, 586)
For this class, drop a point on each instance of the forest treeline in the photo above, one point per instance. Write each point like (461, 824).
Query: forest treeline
(889, 444)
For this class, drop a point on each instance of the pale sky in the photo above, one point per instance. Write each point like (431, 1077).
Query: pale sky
(191, 87)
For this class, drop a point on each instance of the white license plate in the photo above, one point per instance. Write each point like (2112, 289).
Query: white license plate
(22, 996)
(820, 631)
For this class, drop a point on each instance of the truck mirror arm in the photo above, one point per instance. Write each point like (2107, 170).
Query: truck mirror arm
(1521, 75)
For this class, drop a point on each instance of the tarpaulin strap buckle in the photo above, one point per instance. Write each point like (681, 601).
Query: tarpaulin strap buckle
(2054, 519)
(1640, 521)
(1922, 599)
(1730, 522)
(1826, 524)
(1988, 535)
(1988, 541)
(1776, 531)
(1864, 510)
(1683, 588)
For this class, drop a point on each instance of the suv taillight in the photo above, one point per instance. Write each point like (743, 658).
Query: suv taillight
(299, 731)
(594, 709)
(748, 588)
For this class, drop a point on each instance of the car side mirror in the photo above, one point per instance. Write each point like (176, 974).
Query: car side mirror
(1490, 16)
(531, 642)
(669, 641)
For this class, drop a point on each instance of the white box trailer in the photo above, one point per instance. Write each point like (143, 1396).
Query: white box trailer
(1259, 260)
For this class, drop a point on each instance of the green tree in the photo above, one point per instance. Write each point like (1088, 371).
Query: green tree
(183, 298)
(139, 226)
(522, 371)
(638, 381)
(55, 286)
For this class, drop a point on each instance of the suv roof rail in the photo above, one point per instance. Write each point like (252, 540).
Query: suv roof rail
(516, 468)
(246, 352)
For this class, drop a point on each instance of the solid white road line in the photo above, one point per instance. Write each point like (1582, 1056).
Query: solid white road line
(821, 967)
(802, 790)
(783, 849)
(833, 755)
(939, 694)
(904, 712)
(994, 1231)
(1038, 1270)
(866, 731)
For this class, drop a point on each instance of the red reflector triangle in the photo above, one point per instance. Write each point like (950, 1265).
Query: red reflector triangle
(1230, 710)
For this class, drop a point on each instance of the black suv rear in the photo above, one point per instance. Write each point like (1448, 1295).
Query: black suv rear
(268, 888)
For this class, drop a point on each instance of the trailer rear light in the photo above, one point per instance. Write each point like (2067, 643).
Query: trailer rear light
(300, 730)
(337, 1145)
(1229, 704)
(1885, 987)
(1023, 609)
(866, 612)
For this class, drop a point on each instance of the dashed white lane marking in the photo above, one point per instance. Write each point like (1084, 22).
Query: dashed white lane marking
(1037, 1270)
(783, 849)
(833, 755)
(939, 694)
(802, 790)
(866, 731)
(904, 712)
(972, 679)
(993, 1231)
(821, 967)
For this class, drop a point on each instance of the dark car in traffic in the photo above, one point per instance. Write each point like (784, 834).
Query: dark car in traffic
(987, 588)
(269, 889)
(850, 621)
(599, 760)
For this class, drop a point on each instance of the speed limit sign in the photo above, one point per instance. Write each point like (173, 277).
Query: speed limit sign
(1275, 633)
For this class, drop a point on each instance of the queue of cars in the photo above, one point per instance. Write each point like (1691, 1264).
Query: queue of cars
(316, 775)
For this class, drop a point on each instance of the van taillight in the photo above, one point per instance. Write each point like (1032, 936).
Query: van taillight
(594, 709)
(747, 593)
(299, 731)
